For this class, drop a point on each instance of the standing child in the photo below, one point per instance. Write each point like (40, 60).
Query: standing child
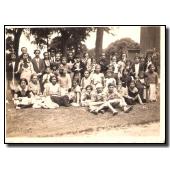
(85, 81)
(152, 83)
(97, 77)
(109, 79)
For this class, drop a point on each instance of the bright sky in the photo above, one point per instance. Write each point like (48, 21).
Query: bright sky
(132, 32)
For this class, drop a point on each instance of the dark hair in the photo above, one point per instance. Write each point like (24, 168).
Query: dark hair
(36, 50)
(23, 79)
(23, 47)
(32, 75)
(89, 86)
(110, 84)
(44, 53)
(53, 77)
(151, 66)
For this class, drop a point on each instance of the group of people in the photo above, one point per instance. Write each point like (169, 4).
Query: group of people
(80, 80)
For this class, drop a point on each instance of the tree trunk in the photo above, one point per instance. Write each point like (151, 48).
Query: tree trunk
(17, 36)
(99, 43)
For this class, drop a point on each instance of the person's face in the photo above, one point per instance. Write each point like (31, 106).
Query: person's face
(54, 80)
(37, 53)
(57, 57)
(48, 70)
(149, 58)
(54, 68)
(136, 60)
(64, 71)
(24, 50)
(25, 57)
(46, 56)
(119, 85)
(74, 83)
(103, 56)
(142, 60)
(123, 57)
(34, 79)
(13, 57)
(111, 88)
(97, 69)
(86, 74)
(152, 68)
(114, 59)
(109, 74)
(141, 75)
(132, 85)
(88, 90)
(64, 61)
(23, 84)
(99, 89)
(52, 53)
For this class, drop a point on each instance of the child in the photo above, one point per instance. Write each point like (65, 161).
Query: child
(133, 94)
(97, 77)
(109, 79)
(34, 85)
(115, 98)
(152, 83)
(64, 81)
(75, 94)
(85, 81)
(46, 77)
(86, 97)
(46, 59)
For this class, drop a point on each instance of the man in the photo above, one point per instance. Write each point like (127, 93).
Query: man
(103, 63)
(52, 55)
(23, 51)
(38, 65)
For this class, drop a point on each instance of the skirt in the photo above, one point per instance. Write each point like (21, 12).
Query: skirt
(152, 92)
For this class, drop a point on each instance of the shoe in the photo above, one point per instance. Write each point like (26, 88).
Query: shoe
(128, 109)
(18, 108)
(101, 111)
(115, 113)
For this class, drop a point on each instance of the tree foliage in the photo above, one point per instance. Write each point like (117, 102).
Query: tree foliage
(121, 46)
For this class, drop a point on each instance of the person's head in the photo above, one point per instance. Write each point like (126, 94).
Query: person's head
(77, 58)
(103, 56)
(24, 50)
(89, 88)
(48, 70)
(111, 87)
(23, 83)
(62, 71)
(37, 53)
(99, 88)
(114, 59)
(148, 58)
(125, 72)
(109, 74)
(64, 61)
(25, 56)
(137, 59)
(54, 66)
(52, 52)
(58, 56)
(97, 68)
(86, 74)
(70, 55)
(46, 56)
(93, 61)
(142, 59)
(53, 79)
(151, 68)
(124, 57)
(132, 84)
(34, 78)
(75, 83)
(13, 56)
(119, 84)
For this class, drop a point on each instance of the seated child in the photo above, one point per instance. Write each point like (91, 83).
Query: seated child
(133, 94)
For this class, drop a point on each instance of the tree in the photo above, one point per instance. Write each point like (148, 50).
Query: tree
(13, 44)
(121, 46)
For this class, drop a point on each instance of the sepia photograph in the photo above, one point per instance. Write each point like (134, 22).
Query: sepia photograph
(85, 84)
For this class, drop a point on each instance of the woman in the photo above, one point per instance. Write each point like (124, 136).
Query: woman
(25, 68)
(22, 95)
